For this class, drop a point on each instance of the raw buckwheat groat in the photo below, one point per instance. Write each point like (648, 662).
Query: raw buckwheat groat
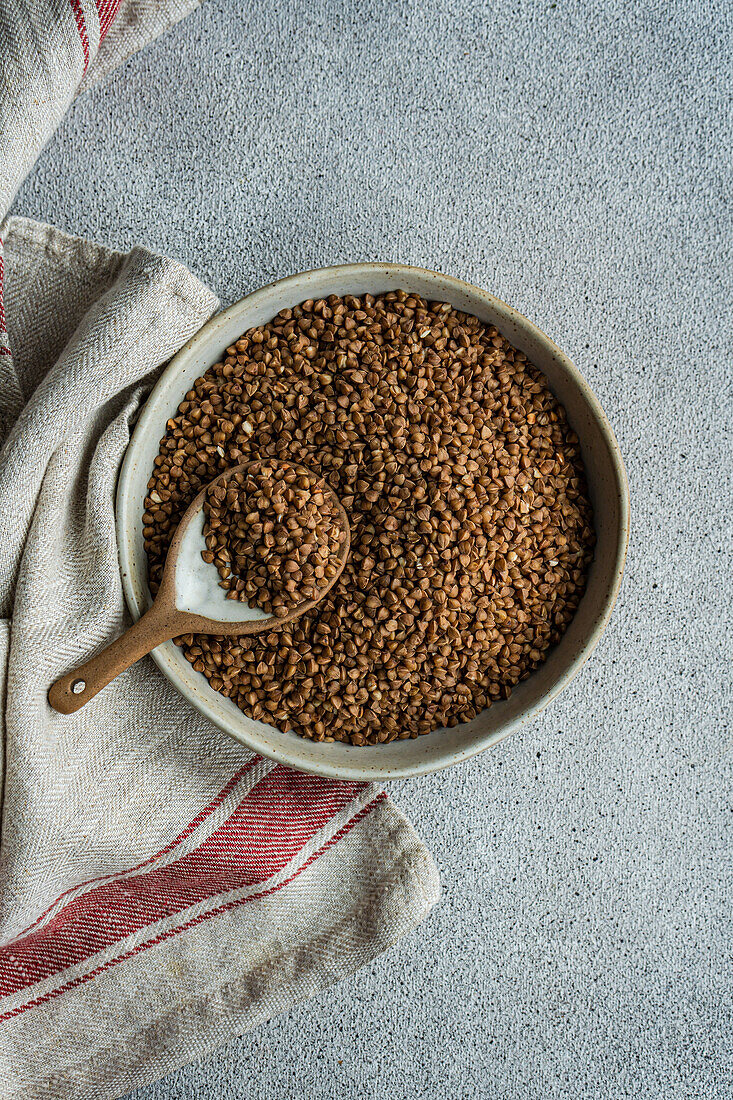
(471, 529)
(274, 535)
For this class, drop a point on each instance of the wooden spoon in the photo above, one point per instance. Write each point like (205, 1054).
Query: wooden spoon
(189, 601)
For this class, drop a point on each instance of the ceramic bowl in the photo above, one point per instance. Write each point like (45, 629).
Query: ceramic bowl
(606, 480)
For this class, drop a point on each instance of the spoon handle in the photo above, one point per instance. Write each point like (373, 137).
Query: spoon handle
(74, 689)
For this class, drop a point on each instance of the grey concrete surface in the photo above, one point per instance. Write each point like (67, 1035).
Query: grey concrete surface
(572, 158)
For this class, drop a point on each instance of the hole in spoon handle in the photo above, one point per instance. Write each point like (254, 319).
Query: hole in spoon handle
(75, 688)
(71, 692)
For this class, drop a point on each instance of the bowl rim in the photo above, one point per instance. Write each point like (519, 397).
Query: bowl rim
(372, 770)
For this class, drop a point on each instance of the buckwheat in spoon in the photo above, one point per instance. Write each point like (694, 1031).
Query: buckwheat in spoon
(259, 545)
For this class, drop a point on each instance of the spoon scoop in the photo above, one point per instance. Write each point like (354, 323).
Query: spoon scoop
(189, 601)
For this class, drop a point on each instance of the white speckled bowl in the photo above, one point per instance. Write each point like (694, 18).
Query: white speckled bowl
(606, 479)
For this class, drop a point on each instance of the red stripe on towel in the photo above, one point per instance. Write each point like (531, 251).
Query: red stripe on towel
(224, 908)
(198, 820)
(81, 26)
(269, 827)
(107, 10)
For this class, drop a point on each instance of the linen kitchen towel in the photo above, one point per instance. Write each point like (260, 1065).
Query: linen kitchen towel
(161, 888)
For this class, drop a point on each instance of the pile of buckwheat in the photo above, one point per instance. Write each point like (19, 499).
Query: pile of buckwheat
(471, 529)
(274, 533)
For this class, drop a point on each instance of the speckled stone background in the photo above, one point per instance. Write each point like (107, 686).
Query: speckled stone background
(574, 159)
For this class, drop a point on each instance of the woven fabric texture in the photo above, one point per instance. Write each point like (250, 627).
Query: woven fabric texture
(161, 888)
